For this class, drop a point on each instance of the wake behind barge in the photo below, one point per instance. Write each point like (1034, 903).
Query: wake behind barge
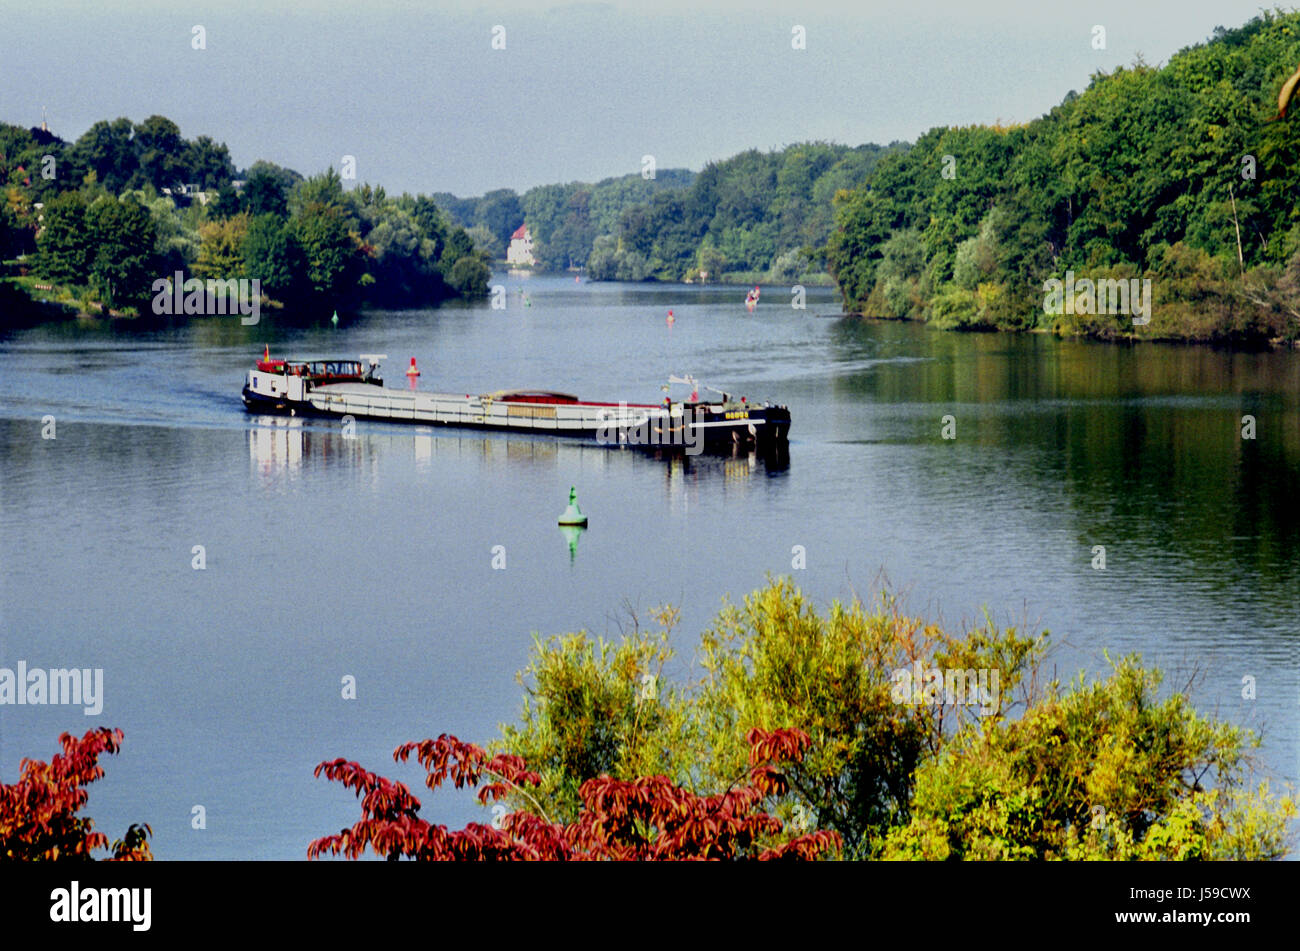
(341, 388)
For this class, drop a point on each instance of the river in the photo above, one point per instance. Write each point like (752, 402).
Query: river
(327, 558)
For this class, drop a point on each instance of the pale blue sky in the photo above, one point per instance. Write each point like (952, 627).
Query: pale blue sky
(581, 91)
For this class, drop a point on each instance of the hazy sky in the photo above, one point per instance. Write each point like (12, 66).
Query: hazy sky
(418, 95)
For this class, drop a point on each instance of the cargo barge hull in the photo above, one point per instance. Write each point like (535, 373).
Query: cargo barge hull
(687, 426)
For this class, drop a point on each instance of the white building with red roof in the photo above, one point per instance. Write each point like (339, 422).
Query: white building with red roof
(520, 252)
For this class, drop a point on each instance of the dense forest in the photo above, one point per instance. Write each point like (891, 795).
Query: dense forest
(1177, 175)
(564, 220)
(105, 216)
(757, 214)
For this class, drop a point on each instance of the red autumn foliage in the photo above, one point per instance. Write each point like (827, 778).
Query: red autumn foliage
(38, 814)
(644, 819)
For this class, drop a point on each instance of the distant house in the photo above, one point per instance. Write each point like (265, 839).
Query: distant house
(520, 252)
(184, 195)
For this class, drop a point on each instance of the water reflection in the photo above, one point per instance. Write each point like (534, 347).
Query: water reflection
(283, 444)
(572, 533)
(1148, 446)
(277, 444)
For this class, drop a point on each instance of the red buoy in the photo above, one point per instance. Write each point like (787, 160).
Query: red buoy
(412, 370)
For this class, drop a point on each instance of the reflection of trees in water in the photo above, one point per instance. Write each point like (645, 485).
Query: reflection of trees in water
(1145, 442)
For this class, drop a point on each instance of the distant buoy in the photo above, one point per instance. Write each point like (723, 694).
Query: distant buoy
(573, 515)
(412, 370)
(335, 319)
(671, 319)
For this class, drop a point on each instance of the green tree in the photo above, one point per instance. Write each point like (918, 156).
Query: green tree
(431, 221)
(630, 265)
(899, 771)
(486, 242)
(221, 248)
(500, 212)
(712, 262)
(402, 261)
(469, 276)
(206, 163)
(324, 189)
(773, 661)
(570, 242)
(125, 262)
(544, 209)
(161, 153)
(65, 247)
(267, 188)
(11, 235)
(227, 203)
(330, 254)
(902, 263)
(459, 211)
(272, 257)
(1105, 770)
(593, 707)
(177, 241)
(107, 151)
(602, 264)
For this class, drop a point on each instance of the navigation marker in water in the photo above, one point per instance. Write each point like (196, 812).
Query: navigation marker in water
(573, 515)
(335, 319)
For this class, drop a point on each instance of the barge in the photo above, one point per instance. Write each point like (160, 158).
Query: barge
(339, 388)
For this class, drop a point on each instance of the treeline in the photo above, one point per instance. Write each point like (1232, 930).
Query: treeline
(115, 210)
(564, 220)
(1173, 175)
(757, 213)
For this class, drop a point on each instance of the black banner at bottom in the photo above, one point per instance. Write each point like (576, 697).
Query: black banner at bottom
(169, 900)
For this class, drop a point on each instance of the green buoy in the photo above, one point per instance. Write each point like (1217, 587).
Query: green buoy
(573, 515)
(335, 319)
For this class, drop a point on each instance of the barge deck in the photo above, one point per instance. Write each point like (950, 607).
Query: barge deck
(339, 388)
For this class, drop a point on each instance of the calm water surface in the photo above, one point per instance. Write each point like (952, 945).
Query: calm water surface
(372, 557)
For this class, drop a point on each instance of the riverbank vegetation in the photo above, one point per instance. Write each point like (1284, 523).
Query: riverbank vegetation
(563, 220)
(95, 222)
(755, 217)
(818, 720)
(1174, 175)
